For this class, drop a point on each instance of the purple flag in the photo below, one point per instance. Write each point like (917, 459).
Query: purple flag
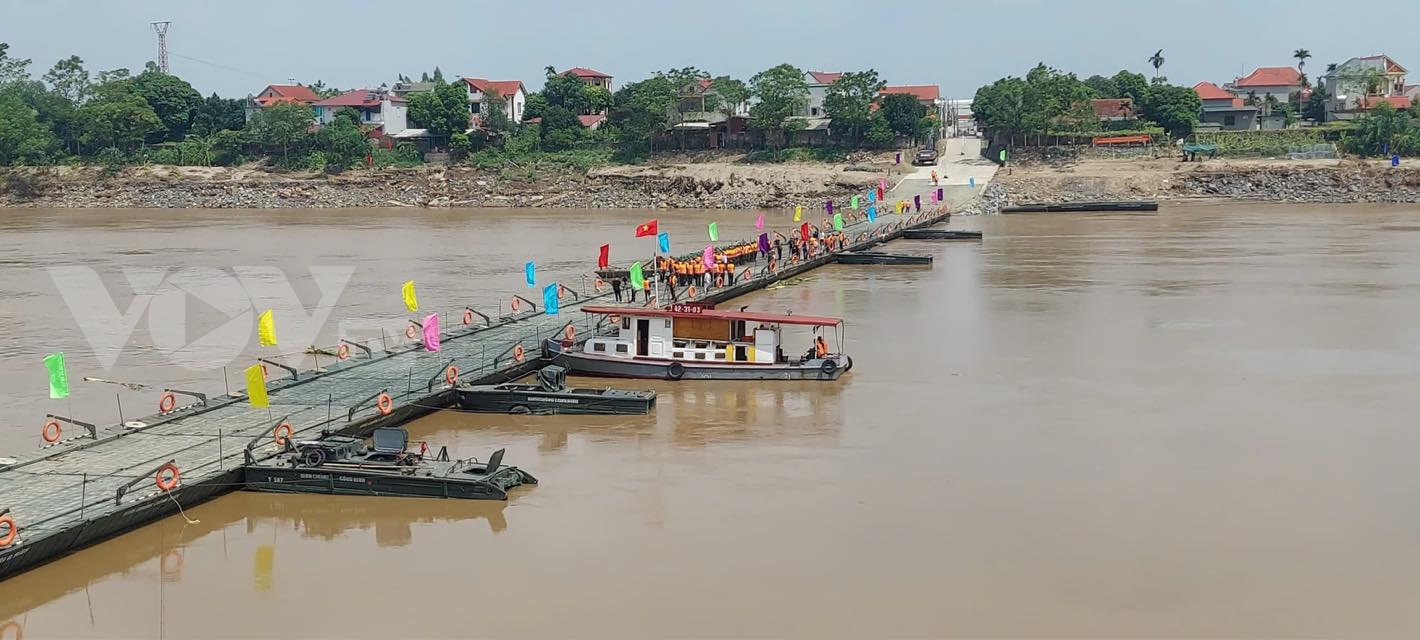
(709, 257)
(759, 223)
(939, 194)
(764, 243)
(917, 202)
(829, 206)
(431, 332)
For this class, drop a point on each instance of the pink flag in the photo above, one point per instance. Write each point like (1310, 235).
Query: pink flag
(431, 332)
(759, 223)
(709, 257)
(882, 184)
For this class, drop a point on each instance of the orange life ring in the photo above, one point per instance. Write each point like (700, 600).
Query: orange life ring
(561, 292)
(167, 402)
(614, 319)
(746, 274)
(570, 332)
(691, 291)
(772, 265)
(468, 316)
(451, 375)
(515, 304)
(169, 481)
(51, 431)
(283, 433)
(598, 285)
(12, 530)
(384, 404)
(518, 353)
(409, 332)
(720, 279)
(343, 352)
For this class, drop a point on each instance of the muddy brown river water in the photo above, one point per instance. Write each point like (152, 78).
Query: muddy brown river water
(1199, 423)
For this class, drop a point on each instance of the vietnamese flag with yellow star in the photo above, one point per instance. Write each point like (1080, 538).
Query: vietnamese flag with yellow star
(646, 229)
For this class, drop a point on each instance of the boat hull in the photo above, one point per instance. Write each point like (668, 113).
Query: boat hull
(830, 368)
(494, 400)
(357, 483)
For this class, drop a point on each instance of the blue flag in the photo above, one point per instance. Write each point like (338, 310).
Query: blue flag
(872, 213)
(530, 272)
(549, 298)
(664, 240)
(872, 196)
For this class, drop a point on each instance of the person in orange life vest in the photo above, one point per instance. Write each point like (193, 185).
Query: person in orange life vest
(820, 347)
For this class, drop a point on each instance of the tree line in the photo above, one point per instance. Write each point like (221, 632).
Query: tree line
(1049, 101)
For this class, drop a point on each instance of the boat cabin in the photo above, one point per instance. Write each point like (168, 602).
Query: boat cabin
(702, 335)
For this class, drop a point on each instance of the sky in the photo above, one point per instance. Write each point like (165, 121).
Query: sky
(236, 48)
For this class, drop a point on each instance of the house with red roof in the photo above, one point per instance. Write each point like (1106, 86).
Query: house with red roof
(1280, 83)
(1113, 109)
(590, 76)
(278, 93)
(512, 92)
(1223, 110)
(818, 82)
(1363, 83)
(385, 113)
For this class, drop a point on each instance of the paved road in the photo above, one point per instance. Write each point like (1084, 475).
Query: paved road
(958, 164)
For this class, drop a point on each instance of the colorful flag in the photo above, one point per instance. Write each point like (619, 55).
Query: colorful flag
(837, 222)
(940, 192)
(714, 230)
(431, 332)
(853, 203)
(58, 375)
(638, 280)
(1003, 155)
(266, 329)
(759, 223)
(663, 240)
(829, 206)
(872, 196)
(804, 232)
(882, 191)
(882, 184)
(410, 302)
(530, 274)
(708, 258)
(872, 213)
(646, 229)
(764, 243)
(604, 258)
(549, 299)
(256, 387)
(798, 212)
(917, 202)
(971, 182)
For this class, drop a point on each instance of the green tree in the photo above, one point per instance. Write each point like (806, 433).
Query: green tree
(640, 111)
(12, 69)
(1381, 130)
(560, 128)
(116, 118)
(570, 93)
(68, 78)
(494, 114)
(171, 97)
(111, 76)
(23, 138)
(218, 114)
(443, 111)
(1157, 61)
(534, 106)
(999, 107)
(438, 76)
(849, 102)
(343, 143)
(1301, 55)
(1102, 86)
(1174, 108)
(879, 133)
(51, 109)
(781, 93)
(284, 125)
(731, 95)
(1315, 108)
(1130, 85)
(901, 112)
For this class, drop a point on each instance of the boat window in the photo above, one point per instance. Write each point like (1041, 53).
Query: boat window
(626, 323)
(699, 356)
(719, 355)
(599, 346)
(621, 347)
(678, 354)
(668, 323)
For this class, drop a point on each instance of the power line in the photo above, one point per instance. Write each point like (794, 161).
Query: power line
(221, 66)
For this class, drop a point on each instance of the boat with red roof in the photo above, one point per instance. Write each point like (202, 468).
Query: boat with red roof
(695, 342)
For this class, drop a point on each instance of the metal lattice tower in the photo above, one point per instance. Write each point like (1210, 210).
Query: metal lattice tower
(161, 28)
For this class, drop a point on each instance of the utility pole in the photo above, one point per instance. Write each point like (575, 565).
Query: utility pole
(161, 28)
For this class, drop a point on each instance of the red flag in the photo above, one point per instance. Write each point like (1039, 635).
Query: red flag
(804, 231)
(647, 229)
(605, 258)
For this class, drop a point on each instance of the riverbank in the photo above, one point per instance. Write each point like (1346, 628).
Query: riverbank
(1322, 181)
(724, 182)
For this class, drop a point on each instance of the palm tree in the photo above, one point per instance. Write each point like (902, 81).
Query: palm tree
(1157, 60)
(1301, 55)
(1330, 67)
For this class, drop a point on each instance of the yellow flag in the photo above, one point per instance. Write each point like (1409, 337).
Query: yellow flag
(266, 329)
(256, 387)
(409, 300)
(798, 212)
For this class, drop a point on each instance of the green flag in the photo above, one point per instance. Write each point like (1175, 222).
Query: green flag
(638, 280)
(853, 204)
(837, 222)
(1003, 155)
(714, 232)
(58, 377)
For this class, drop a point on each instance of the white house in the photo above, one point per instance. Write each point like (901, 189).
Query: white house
(818, 82)
(514, 95)
(1279, 82)
(1358, 84)
(386, 112)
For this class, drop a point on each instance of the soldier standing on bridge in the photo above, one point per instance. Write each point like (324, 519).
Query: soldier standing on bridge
(616, 288)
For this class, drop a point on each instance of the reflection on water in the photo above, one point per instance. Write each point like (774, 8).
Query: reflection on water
(1194, 424)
